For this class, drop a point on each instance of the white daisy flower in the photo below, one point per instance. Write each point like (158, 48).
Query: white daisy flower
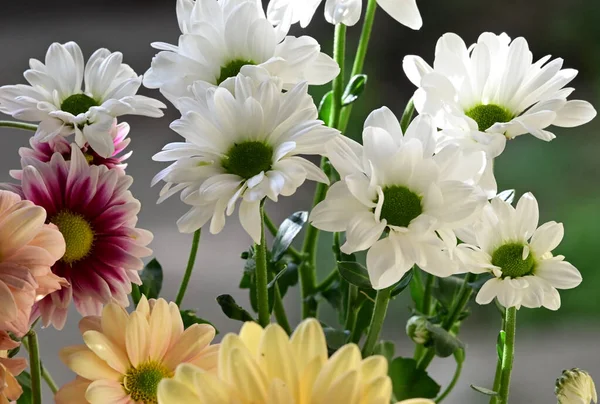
(242, 146)
(492, 90)
(219, 37)
(56, 98)
(347, 12)
(395, 184)
(508, 243)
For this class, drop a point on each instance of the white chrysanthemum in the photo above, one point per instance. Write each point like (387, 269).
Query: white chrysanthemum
(575, 386)
(219, 37)
(508, 243)
(347, 12)
(492, 90)
(395, 183)
(243, 146)
(58, 101)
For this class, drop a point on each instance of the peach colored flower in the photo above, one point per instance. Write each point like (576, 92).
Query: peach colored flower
(125, 356)
(10, 390)
(28, 249)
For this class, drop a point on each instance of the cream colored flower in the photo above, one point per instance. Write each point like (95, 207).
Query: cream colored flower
(10, 390)
(125, 356)
(268, 367)
(575, 386)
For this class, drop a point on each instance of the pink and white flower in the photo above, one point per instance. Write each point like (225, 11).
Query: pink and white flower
(97, 215)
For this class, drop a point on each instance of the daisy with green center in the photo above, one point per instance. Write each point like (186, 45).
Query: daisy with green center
(396, 185)
(57, 99)
(507, 243)
(97, 215)
(491, 91)
(125, 356)
(243, 146)
(220, 37)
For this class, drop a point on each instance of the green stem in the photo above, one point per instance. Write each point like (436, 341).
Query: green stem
(407, 115)
(497, 377)
(351, 311)
(49, 380)
(457, 308)
(18, 125)
(332, 277)
(339, 54)
(297, 255)
(457, 372)
(508, 354)
(427, 296)
(381, 304)
(361, 54)
(264, 317)
(279, 311)
(35, 367)
(190, 267)
(136, 295)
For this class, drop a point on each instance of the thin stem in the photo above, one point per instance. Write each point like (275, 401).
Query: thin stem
(361, 54)
(457, 372)
(190, 267)
(279, 310)
(508, 354)
(262, 293)
(136, 295)
(457, 308)
(18, 125)
(407, 115)
(351, 311)
(339, 54)
(427, 296)
(498, 376)
(49, 380)
(297, 255)
(35, 366)
(381, 304)
(332, 277)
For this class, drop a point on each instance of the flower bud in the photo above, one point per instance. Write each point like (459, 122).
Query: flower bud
(416, 329)
(575, 386)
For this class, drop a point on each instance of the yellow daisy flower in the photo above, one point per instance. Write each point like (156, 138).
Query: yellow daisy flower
(268, 367)
(126, 356)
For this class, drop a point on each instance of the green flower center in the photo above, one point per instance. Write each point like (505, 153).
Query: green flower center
(248, 159)
(509, 258)
(78, 104)
(232, 69)
(78, 235)
(487, 115)
(400, 206)
(141, 383)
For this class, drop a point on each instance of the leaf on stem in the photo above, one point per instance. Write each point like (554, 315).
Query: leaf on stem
(410, 382)
(403, 283)
(335, 338)
(386, 349)
(325, 108)
(152, 279)
(190, 318)
(446, 289)
(288, 230)
(500, 343)
(354, 89)
(24, 380)
(483, 390)
(233, 310)
(355, 274)
(444, 343)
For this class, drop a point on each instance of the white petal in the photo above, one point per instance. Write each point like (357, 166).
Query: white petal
(385, 264)
(345, 12)
(362, 232)
(250, 219)
(575, 113)
(489, 291)
(560, 274)
(403, 11)
(527, 216)
(546, 238)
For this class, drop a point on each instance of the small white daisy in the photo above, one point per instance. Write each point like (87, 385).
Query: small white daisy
(492, 90)
(219, 37)
(508, 243)
(58, 101)
(395, 184)
(347, 12)
(242, 146)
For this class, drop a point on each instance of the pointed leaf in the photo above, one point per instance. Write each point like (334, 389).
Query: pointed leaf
(386, 349)
(24, 380)
(233, 310)
(355, 274)
(190, 318)
(445, 344)
(483, 390)
(335, 338)
(500, 343)
(288, 230)
(325, 108)
(410, 382)
(403, 283)
(354, 89)
(152, 279)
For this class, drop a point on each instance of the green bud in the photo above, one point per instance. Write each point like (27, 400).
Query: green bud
(416, 329)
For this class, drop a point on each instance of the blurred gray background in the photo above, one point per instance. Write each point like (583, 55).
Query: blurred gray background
(563, 174)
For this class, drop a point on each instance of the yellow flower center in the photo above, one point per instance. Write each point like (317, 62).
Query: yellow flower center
(78, 235)
(141, 383)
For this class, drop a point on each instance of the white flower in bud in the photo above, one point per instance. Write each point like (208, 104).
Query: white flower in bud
(416, 329)
(575, 386)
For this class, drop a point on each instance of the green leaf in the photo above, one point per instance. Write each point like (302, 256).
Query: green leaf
(386, 349)
(354, 89)
(335, 338)
(446, 289)
(152, 279)
(404, 282)
(325, 108)
(500, 343)
(271, 284)
(24, 380)
(410, 382)
(365, 312)
(288, 230)
(289, 277)
(190, 318)
(483, 390)
(416, 287)
(233, 310)
(445, 344)
(355, 274)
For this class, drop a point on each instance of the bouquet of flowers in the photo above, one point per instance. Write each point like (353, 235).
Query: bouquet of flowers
(413, 207)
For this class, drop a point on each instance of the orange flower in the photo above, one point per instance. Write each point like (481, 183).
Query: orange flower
(28, 248)
(126, 356)
(10, 390)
